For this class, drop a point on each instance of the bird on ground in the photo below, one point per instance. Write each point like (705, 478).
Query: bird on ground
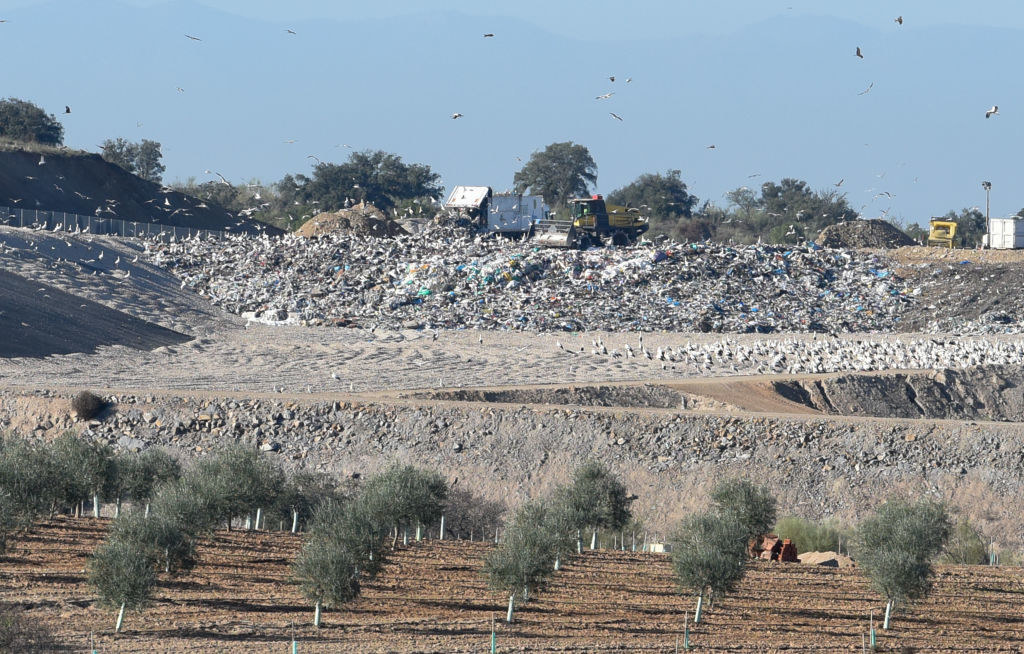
(859, 53)
(488, 35)
(67, 109)
(898, 20)
(456, 116)
(42, 160)
(194, 38)
(865, 91)
(605, 96)
(994, 111)
(615, 115)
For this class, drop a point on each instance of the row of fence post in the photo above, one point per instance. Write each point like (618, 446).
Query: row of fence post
(73, 222)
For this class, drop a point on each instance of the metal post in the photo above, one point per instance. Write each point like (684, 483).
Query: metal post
(988, 222)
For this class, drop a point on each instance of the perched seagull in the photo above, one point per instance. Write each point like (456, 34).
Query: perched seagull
(864, 92)
(615, 115)
(605, 96)
(194, 38)
(994, 111)
(42, 160)
(859, 53)
(456, 116)
(899, 20)
(489, 35)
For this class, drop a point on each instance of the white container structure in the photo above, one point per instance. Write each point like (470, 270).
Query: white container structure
(1006, 233)
(498, 213)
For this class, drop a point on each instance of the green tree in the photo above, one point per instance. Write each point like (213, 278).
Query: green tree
(356, 527)
(660, 197)
(965, 546)
(595, 499)
(142, 158)
(300, 496)
(526, 555)
(405, 496)
(753, 506)
(23, 121)
(708, 554)
(560, 172)
(137, 474)
(377, 177)
(326, 572)
(85, 467)
(122, 576)
(157, 536)
(30, 479)
(896, 547)
(237, 480)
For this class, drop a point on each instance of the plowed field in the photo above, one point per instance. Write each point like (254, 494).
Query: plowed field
(432, 598)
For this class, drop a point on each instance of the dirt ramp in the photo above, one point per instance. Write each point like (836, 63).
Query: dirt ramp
(37, 320)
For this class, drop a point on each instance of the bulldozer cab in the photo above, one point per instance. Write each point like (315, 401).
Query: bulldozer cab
(943, 233)
(590, 212)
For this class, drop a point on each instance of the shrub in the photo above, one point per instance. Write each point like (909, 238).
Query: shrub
(965, 546)
(20, 634)
(87, 405)
(467, 515)
(709, 552)
(753, 506)
(810, 536)
(122, 576)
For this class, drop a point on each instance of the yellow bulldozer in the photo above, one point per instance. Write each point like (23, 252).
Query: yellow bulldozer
(943, 233)
(591, 222)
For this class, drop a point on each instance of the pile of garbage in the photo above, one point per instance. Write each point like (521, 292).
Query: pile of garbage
(362, 218)
(872, 233)
(444, 277)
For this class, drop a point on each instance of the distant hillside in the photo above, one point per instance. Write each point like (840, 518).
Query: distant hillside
(54, 180)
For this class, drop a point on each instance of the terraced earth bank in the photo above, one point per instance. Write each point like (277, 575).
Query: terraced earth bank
(432, 597)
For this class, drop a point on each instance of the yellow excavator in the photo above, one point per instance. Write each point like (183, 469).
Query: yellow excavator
(591, 222)
(943, 232)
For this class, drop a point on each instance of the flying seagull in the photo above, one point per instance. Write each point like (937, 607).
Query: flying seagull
(867, 89)
(994, 111)
(605, 96)
(489, 35)
(899, 20)
(615, 115)
(711, 147)
(859, 53)
(289, 31)
(194, 38)
(67, 109)
(840, 182)
(456, 116)
(308, 156)
(611, 78)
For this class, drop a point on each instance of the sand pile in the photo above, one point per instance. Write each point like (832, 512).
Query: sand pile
(360, 219)
(830, 559)
(863, 234)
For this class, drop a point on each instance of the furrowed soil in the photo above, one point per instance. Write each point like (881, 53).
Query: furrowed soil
(432, 597)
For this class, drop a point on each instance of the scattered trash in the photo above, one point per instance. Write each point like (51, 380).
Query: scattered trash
(872, 233)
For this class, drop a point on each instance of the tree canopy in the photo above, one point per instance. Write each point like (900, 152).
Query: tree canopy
(752, 505)
(23, 121)
(559, 172)
(377, 177)
(142, 158)
(660, 197)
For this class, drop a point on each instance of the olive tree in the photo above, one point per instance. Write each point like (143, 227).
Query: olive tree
(137, 474)
(236, 481)
(85, 467)
(159, 537)
(753, 506)
(708, 554)
(122, 576)
(595, 499)
(327, 573)
(896, 548)
(29, 478)
(405, 496)
(525, 556)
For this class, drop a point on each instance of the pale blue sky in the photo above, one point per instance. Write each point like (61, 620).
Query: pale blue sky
(775, 86)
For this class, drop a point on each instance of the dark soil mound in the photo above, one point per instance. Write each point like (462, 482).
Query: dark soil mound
(863, 234)
(85, 184)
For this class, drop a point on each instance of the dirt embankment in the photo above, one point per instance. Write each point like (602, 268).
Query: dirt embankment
(979, 393)
(85, 184)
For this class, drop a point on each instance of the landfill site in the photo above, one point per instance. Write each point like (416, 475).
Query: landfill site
(850, 373)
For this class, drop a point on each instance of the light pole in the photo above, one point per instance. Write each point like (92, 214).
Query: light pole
(988, 223)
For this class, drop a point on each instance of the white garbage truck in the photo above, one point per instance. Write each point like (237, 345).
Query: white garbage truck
(508, 214)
